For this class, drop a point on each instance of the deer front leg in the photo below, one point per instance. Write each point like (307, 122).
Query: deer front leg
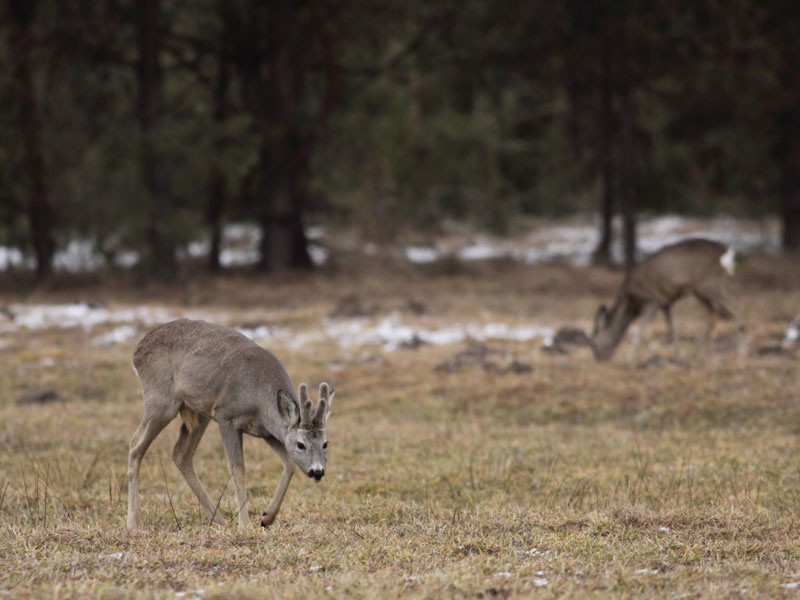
(641, 328)
(232, 442)
(286, 477)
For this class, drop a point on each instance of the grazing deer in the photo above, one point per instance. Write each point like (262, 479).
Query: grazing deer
(203, 372)
(694, 266)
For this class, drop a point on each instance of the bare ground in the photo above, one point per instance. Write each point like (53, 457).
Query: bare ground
(451, 473)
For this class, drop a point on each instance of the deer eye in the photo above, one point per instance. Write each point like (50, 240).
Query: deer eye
(325, 446)
(301, 446)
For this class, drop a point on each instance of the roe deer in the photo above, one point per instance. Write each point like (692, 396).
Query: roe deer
(204, 372)
(694, 266)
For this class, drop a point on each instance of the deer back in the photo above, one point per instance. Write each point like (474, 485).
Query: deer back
(678, 269)
(216, 371)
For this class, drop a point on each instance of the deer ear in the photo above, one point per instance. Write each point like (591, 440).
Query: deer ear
(288, 409)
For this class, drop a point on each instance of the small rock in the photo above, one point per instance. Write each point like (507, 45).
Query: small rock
(416, 308)
(570, 335)
(518, 367)
(350, 307)
(414, 342)
(42, 396)
(553, 348)
(656, 361)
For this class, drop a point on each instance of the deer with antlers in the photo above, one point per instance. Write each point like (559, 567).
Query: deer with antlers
(206, 372)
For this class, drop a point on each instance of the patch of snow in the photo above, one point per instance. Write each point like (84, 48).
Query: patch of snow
(663, 529)
(792, 333)
(504, 331)
(261, 332)
(540, 581)
(420, 254)
(118, 335)
(127, 259)
(660, 231)
(10, 257)
(198, 248)
(442, 336)
(483, 251)
(319, 254)
(315, 232)
(240, 243)
(391, 333)
(79, 256)
(230, 257)
(572, 241)
(65, 316)
(532, 553)
(646, 572)
(194, 594)
(792, 585)
(503, 574)
(233, 232)
(575, 241)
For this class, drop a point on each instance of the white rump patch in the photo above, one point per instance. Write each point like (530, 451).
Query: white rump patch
(728, 261)
(190, 418)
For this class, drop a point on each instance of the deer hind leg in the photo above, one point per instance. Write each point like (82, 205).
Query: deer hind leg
(286, 477)
(672, 336)
(722, 307)
(232, 442)
(183, 456)
(152, 424)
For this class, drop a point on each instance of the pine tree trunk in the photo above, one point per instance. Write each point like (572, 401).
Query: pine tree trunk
(629, 198)
(40, 213)
(283, 158)
(628, 155)
(790, 149)
(283, 240)
(160, 261)
(602, 254)
(791, 199)
(216, 186)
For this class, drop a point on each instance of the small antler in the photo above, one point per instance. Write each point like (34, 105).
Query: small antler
(323, 407)
(306, 417)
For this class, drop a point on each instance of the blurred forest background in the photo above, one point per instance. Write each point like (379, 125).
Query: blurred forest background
(143, 125)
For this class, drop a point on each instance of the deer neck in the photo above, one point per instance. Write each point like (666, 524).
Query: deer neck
(605, 341)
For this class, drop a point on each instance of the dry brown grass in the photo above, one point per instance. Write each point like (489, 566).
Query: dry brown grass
(577, 479)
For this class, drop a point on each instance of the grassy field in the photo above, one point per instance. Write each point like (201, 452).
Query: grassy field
(640, 477)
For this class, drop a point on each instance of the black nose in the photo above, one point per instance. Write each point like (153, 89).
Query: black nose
(316, 474)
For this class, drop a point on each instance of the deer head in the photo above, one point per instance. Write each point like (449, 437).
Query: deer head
(306, 440)
(610, 325)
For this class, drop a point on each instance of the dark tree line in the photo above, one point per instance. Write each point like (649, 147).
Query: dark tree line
(143, 124)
